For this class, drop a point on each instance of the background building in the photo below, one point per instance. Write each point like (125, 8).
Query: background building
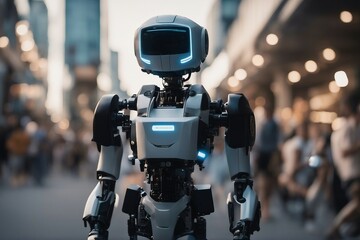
(291, 51)
(23, 62)
(82, 54)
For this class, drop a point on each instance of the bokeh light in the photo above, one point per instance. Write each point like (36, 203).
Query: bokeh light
(333, 87)
(22, 28)
(341, 79)
(4, 42)
(311, 66)
(272, 39)
(240, 74)
(233, 82)
(258, 60)
(329, 54)
(294, 76)
(346, 17)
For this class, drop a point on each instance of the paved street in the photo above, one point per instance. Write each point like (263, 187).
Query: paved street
(54, 212)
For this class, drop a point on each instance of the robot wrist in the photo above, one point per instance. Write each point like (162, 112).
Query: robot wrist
(240, 184)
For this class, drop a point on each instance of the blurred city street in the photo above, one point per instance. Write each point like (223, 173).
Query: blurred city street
(54, 212)
(263, 92)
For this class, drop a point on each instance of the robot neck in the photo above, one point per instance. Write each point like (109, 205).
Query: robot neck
(173, 82)
(173, 93)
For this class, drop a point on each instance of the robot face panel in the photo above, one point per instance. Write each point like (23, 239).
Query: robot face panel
(170, 46)
(165, 41)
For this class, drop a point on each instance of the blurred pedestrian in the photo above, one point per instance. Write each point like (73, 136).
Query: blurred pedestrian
(77, 154)
(58, 154)
(267, 159)
(318, 168)
(346, 152)
(36, 152)
(17, 146)
(3, 149)
(294, 152)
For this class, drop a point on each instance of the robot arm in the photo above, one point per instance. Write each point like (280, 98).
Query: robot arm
(243, 204)
(100, 204)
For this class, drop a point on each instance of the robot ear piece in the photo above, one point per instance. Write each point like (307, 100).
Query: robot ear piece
(204, 44)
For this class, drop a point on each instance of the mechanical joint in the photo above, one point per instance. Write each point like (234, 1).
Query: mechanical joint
(105, 130)
(241, 122)
(241, 182)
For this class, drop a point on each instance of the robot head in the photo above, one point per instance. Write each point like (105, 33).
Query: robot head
(170, 46)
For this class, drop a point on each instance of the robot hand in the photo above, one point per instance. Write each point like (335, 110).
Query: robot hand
(243, 203)
(99, 208)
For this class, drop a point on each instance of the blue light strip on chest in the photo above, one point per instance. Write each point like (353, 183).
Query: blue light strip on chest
(163, 128)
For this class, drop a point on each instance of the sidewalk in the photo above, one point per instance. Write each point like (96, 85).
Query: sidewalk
(54, 212)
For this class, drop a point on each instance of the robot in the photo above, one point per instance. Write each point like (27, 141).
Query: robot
(172, 133)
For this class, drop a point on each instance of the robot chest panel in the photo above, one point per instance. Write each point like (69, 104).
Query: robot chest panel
(167, 135)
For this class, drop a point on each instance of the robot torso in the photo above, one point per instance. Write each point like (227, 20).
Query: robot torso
(172, 132)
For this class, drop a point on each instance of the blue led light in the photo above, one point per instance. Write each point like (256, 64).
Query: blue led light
(163, 128)
(188, 58)
(147, 61)
(201, 155)
(185, 60)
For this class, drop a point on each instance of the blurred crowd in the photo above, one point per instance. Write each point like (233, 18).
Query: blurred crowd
(312, 167)
(306, 168)
(32, 149)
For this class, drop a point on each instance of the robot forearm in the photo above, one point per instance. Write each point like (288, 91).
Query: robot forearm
(243, 204)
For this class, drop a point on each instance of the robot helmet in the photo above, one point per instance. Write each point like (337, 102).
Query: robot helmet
(170, 46)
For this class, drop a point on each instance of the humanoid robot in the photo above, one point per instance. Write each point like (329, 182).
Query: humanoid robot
(172, 133)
